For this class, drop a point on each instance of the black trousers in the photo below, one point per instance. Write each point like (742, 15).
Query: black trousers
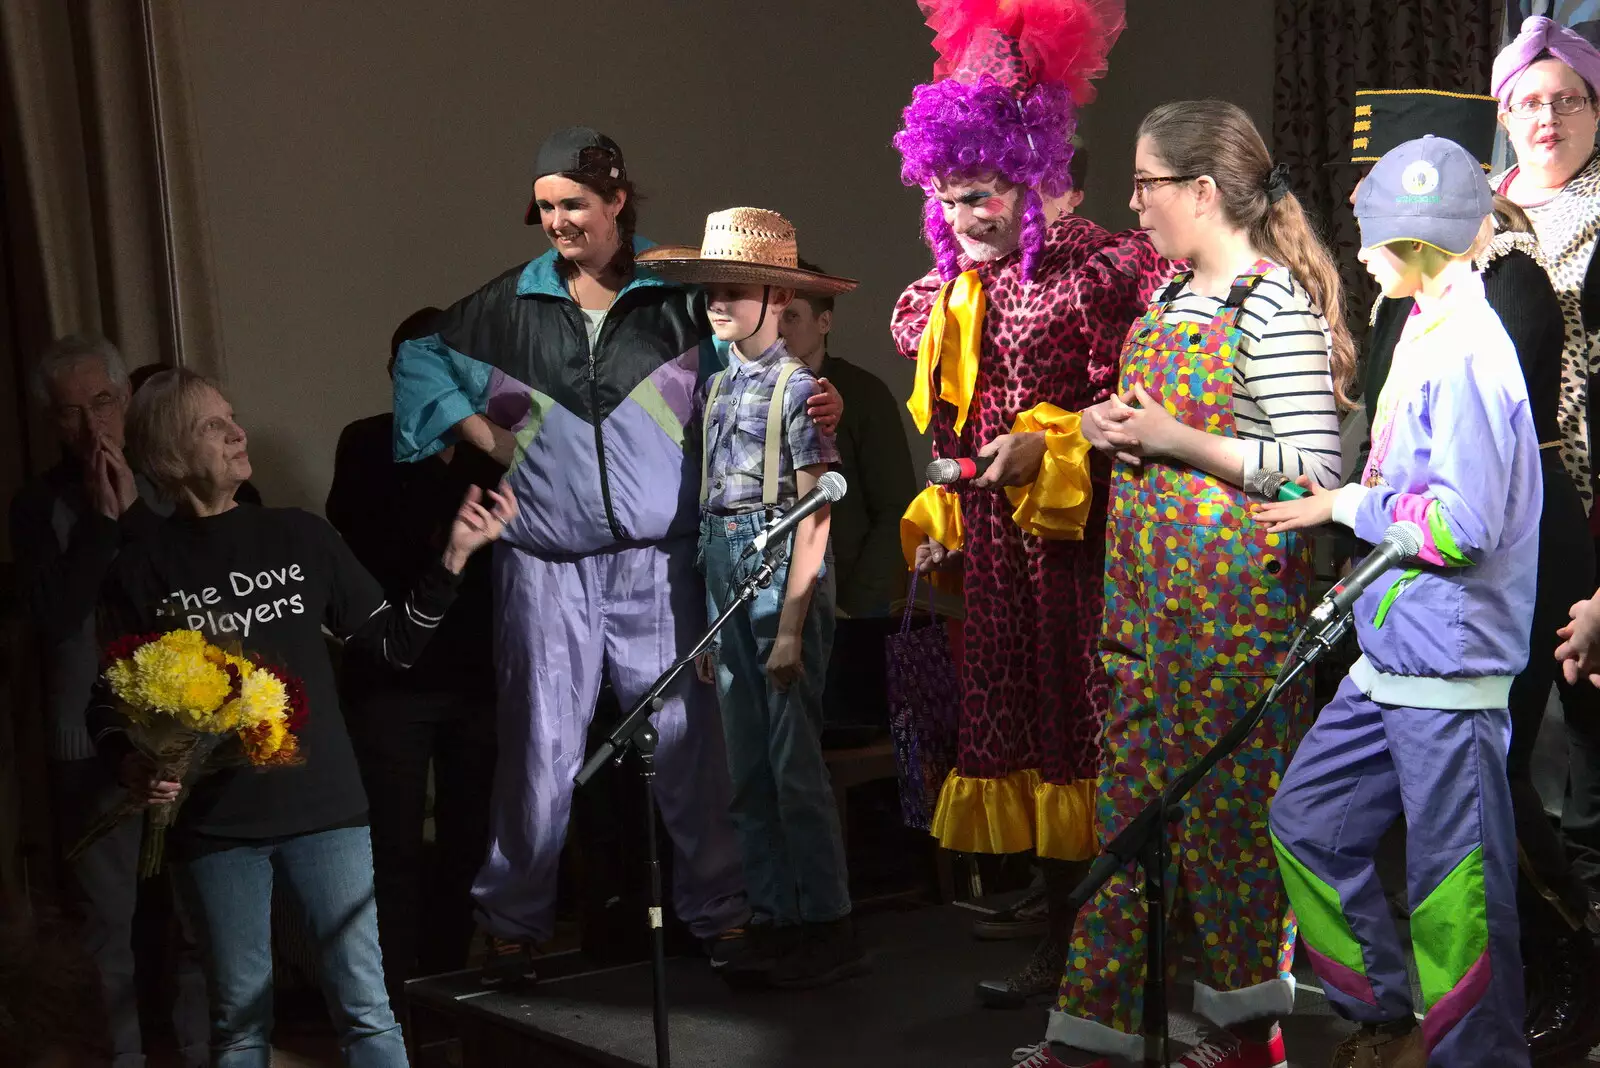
(424, 900)
(105, 896)
(1556, 864)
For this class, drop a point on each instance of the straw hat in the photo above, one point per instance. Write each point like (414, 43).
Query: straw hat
(743, 245)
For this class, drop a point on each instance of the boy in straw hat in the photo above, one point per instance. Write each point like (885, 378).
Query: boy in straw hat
(761, 454)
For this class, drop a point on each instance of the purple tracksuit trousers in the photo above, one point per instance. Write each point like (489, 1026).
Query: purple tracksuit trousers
(559, 624)
(1363, 766)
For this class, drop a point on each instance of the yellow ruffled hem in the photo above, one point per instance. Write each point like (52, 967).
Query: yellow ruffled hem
(1055, 505)
(1016, 813)
(934, 513)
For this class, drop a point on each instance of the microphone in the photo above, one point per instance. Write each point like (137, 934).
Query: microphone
(1274, 486)
(944, 472)
(1401, 541)
(830, 487)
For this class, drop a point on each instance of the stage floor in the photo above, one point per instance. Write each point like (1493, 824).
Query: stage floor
(916, 1007)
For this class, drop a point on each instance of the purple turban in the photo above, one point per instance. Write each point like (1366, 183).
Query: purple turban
(1540, 35)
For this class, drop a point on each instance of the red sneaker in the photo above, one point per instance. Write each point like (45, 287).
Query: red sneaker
(1040, 1057)
(1227, 1050)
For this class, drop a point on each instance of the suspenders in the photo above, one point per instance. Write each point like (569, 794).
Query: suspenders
(1243, 286)
(772, 459)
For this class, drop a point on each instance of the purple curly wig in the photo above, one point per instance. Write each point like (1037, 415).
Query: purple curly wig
(957, 129)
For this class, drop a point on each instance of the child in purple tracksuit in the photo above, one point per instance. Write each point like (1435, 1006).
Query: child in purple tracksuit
(1420, 728)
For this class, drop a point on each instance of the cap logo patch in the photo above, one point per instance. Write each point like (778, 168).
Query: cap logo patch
(1420, 178)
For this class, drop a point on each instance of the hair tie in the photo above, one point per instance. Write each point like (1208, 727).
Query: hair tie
(1276, 183)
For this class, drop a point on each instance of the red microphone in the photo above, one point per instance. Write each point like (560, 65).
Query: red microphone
(944, 472)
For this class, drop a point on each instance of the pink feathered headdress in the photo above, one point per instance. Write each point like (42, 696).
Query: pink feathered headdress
(1025, 42)
(1011, 75)
(1540, 35)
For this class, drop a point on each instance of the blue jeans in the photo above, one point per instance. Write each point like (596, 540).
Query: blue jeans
(783, 806)
(329, 873)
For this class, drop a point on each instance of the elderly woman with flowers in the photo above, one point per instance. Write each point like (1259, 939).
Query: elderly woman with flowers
(260, 584)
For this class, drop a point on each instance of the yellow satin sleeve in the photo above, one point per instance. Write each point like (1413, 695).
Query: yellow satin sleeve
(1055, 505)
(950, 345)
(934, 513)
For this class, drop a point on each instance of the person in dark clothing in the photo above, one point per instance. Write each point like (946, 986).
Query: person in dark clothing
(396, 518)
(271, 579)
(873, 456)
(876, 461)
(1555, 902)
(67, 527)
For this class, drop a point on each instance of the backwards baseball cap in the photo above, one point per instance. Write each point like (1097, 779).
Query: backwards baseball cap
(1429, 190)
(563, 152)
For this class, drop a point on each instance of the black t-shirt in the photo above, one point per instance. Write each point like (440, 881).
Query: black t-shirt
(270, 579)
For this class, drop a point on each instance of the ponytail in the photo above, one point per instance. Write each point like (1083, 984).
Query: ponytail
(1217, 139)
(1284, 234)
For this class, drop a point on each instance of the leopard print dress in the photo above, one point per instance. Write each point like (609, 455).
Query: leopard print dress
(1033, 691)
(1568, 227)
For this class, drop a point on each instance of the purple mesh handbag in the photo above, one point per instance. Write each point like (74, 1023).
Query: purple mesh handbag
(924, 695)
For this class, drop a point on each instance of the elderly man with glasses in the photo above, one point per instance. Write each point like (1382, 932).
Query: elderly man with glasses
(67, 527)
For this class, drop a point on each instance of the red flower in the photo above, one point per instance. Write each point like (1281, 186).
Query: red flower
(298, 709)
(124, 647)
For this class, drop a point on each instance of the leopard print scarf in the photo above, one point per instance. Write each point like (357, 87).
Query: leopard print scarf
(1568, 226)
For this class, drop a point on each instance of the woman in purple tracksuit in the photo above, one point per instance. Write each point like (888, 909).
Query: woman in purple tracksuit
(578, 370)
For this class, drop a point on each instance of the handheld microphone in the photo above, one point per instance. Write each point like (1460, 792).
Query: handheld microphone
(830, 487)
(1401, 541)
(1274, 486)
(944, 472)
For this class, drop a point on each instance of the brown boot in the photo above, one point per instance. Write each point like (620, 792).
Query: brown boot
(1379, 1049)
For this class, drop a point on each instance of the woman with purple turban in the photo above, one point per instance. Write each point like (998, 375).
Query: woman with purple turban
(1016, 333)
(1545, 81)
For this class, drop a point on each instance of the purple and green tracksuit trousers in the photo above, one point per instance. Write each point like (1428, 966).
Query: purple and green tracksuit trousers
(1363, 766)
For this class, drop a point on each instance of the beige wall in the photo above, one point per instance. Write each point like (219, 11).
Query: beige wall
(1173, 50)
(363, 158)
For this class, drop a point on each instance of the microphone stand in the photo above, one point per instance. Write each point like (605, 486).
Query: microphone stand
(637, 731)
(1144, 839)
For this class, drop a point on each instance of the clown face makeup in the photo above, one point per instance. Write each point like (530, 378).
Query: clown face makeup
(985, 214)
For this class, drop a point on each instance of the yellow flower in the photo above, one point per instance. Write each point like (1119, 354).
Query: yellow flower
(175, 676)
(262, 696)
(262, 699)
(172, 676)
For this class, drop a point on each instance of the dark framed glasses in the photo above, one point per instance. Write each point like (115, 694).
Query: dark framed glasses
(1567, 104)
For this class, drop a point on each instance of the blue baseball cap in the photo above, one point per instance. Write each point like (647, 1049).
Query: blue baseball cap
(1429, 190)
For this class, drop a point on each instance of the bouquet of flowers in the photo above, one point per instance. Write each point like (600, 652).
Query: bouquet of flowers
(193, 707)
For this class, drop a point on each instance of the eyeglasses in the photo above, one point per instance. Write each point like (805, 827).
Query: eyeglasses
(1570, 104)
(98, 407)
(1142, 186)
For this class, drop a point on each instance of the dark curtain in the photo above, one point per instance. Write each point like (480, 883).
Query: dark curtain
(1324, 53)
(102, 231)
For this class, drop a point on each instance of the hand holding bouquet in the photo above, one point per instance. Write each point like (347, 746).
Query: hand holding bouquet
(191, 708)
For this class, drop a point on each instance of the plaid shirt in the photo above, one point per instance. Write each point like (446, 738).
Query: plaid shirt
(736, 433)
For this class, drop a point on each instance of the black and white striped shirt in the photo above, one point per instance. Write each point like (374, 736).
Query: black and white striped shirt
(1282, 387)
